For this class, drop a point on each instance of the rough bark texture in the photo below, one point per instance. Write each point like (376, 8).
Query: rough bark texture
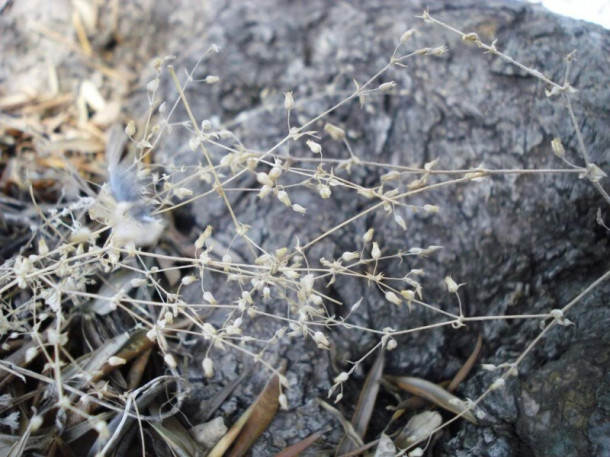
(525, 244)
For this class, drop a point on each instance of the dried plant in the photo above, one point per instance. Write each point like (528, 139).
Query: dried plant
(94, 323)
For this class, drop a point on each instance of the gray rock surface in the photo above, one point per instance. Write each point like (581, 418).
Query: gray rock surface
(525, 244)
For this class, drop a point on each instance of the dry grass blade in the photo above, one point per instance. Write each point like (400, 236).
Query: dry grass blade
(463, 372)
(124, 346)
(18, 358)
(296, 449)
(419, 428)
(414, 403)
(434, 393)
(16, 446)
(177, 438)
(95, 364)
(252, 423)
(366, 403)
(138, 343)
(348, 428)
(136, 372)
(142, 397)
(76, 431)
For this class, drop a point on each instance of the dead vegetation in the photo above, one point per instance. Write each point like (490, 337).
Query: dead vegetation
(94, 327)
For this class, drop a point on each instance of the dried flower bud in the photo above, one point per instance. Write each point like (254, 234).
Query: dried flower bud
(406, 36)
(187, 280)
(324, 191)
(557, 147)
(275, 173)
(283, 197)
(264, 179)
(157, 63)
(208, 297)
(560, 318)
(130, 130)
(116, 361)
(368, 236)
(265, 190)
(194, 142)
(497, 384)
(426, 17)
(594, 173)
(315, 299)
(208, 329)
(387, 86)
(409, 295)
(342, 377)
(390, 176)
(336, 133)
(400, 221)
(315, 147)
(35, 422)
(375, 251)
(101, 427)
(288, 101)
(182, 192)
(204, 236)
(283, 401)
(153, 85)
(321, 340)
(170, 360)
(152, 334)
(428, 166)
(470, 37)
(438, 51)
(393, 298)
(31, 353)
(43, 249)
(208, 367)
(349, 256)
(299, 209)
(368, 193)
(452, 286)
(307, 282)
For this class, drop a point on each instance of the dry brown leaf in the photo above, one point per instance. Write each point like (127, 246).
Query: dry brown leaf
(138, 343)
(136, 372)
(176, 437)
(348, 428)
(252, 423)
(433, 393)
(366, 403)
(296, 449)
(463, 372)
